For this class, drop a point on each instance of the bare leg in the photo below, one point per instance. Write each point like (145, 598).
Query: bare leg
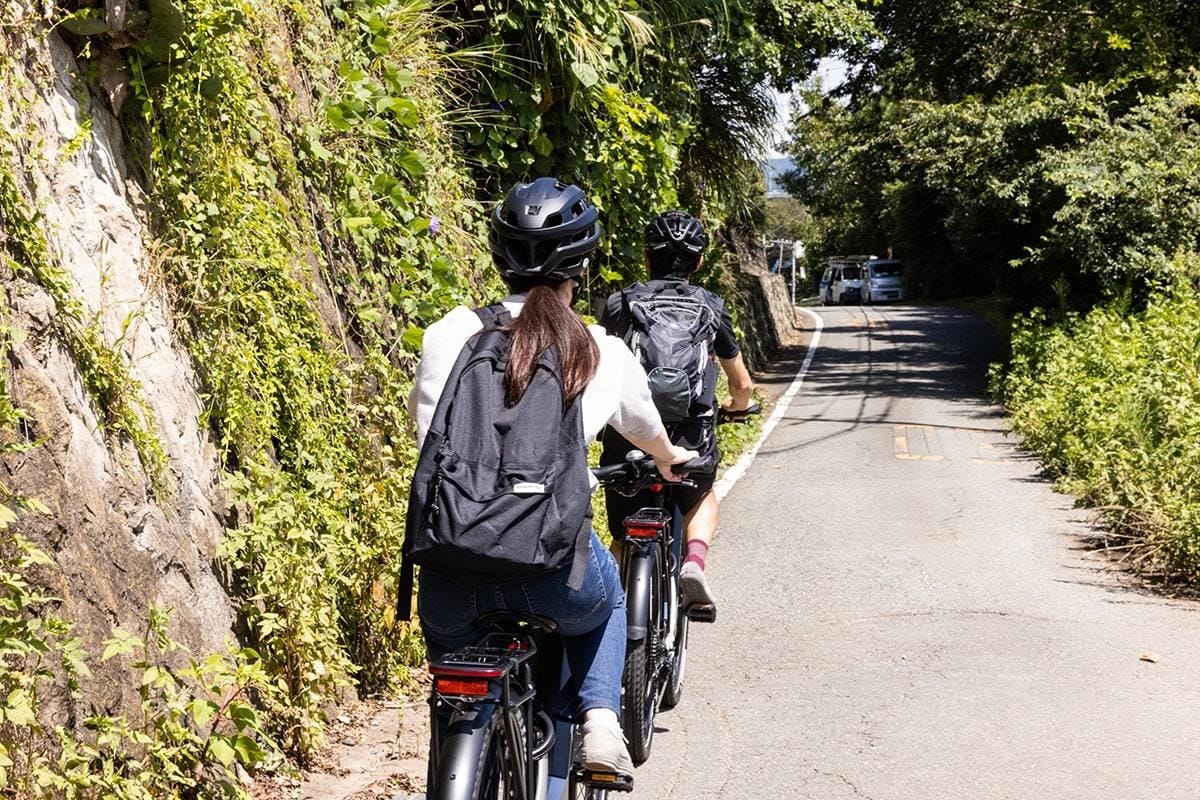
(700, 525)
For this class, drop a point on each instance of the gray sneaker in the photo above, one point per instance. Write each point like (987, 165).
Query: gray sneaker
(694, 586)
(604, 749)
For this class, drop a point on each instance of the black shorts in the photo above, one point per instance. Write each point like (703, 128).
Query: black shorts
(694, 434)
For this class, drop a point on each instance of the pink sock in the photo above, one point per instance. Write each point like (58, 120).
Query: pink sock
(697, 552)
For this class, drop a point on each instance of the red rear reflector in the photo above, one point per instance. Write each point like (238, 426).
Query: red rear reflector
(642, 531)
(462, 687)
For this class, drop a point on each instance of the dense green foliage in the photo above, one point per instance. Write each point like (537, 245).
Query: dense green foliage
(999, 148)
(1111, 401)
(1047, 153)
(650, 105)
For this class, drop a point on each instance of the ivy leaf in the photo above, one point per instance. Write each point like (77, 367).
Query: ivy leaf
(404, 110)
(412, 338)
(585, 73)
(337, 118)
(243, 716)
(203, 711)
(371, 316)
(19, 708)
(543, 145)
(414, 164)
(219, 748)
(356, 223)
(85, 22)
(249, 753)
(122, 642)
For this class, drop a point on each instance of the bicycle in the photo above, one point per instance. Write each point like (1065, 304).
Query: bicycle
(657, 624)
(491, 735)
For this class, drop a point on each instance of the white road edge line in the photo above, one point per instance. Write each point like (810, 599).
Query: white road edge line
(734, 473)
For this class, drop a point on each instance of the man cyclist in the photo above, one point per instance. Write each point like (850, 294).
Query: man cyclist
(674, 249)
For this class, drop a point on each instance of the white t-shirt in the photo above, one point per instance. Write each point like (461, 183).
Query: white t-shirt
(618, 394)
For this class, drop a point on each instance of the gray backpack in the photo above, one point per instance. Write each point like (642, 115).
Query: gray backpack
(671, 331)
(500, 492)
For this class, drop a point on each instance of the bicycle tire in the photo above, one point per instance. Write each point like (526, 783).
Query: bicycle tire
(673, 691)
(640, 684)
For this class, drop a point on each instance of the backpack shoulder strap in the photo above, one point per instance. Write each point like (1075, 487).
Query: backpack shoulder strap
(494, 316)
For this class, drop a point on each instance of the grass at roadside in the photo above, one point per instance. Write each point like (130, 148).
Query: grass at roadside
(1110, 401)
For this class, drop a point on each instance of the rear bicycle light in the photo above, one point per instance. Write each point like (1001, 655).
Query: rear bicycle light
(643, 530)
(459, 679)
(649, 523)
(462, 687)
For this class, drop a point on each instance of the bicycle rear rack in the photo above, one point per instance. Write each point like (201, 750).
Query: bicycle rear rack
(472, 671)
(647, 524)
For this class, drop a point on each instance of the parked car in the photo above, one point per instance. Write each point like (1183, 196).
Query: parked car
(882, 280)
(841, 283)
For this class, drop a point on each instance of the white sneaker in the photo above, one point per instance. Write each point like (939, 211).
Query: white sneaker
(604, 748)
(694, 586)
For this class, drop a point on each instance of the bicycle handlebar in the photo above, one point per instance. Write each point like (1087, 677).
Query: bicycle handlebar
(639, 472)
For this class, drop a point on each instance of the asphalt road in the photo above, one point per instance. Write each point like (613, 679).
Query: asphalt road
(907, 610)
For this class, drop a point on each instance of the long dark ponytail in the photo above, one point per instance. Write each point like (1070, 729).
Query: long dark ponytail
(546, 322)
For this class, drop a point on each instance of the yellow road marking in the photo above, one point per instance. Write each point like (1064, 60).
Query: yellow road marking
(924, 445)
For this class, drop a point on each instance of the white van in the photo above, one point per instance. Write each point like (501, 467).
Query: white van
(842, 282)
(881, 280)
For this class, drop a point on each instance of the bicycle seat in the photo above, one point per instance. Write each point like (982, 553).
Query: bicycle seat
(508, 620)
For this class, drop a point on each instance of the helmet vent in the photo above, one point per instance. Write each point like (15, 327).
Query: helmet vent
(553, 220)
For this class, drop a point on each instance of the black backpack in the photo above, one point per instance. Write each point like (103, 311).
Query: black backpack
(671, 330)
(500, 492)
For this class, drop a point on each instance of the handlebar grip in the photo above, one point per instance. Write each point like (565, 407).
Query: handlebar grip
(698, 464)
(610, 472)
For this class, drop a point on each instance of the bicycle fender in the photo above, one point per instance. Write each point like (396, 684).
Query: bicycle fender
(462, 752)
(639, 580)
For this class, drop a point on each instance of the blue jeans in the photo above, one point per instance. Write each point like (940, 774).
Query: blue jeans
(591, 620)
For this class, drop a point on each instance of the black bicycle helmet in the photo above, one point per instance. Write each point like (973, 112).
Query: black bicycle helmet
(543, 230)
(677, 232)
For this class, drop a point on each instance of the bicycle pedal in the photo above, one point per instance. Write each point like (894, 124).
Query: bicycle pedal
(702, 613)
(613, 781)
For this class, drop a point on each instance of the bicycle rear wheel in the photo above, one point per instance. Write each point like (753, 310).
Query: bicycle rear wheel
(478, 764)
(641, 682)
(673, 691)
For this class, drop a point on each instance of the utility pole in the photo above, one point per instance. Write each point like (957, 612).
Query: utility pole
(797, 249)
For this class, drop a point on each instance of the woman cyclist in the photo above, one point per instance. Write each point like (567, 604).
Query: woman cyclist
(541, 237)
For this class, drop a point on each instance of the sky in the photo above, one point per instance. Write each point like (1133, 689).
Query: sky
(832, 72)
